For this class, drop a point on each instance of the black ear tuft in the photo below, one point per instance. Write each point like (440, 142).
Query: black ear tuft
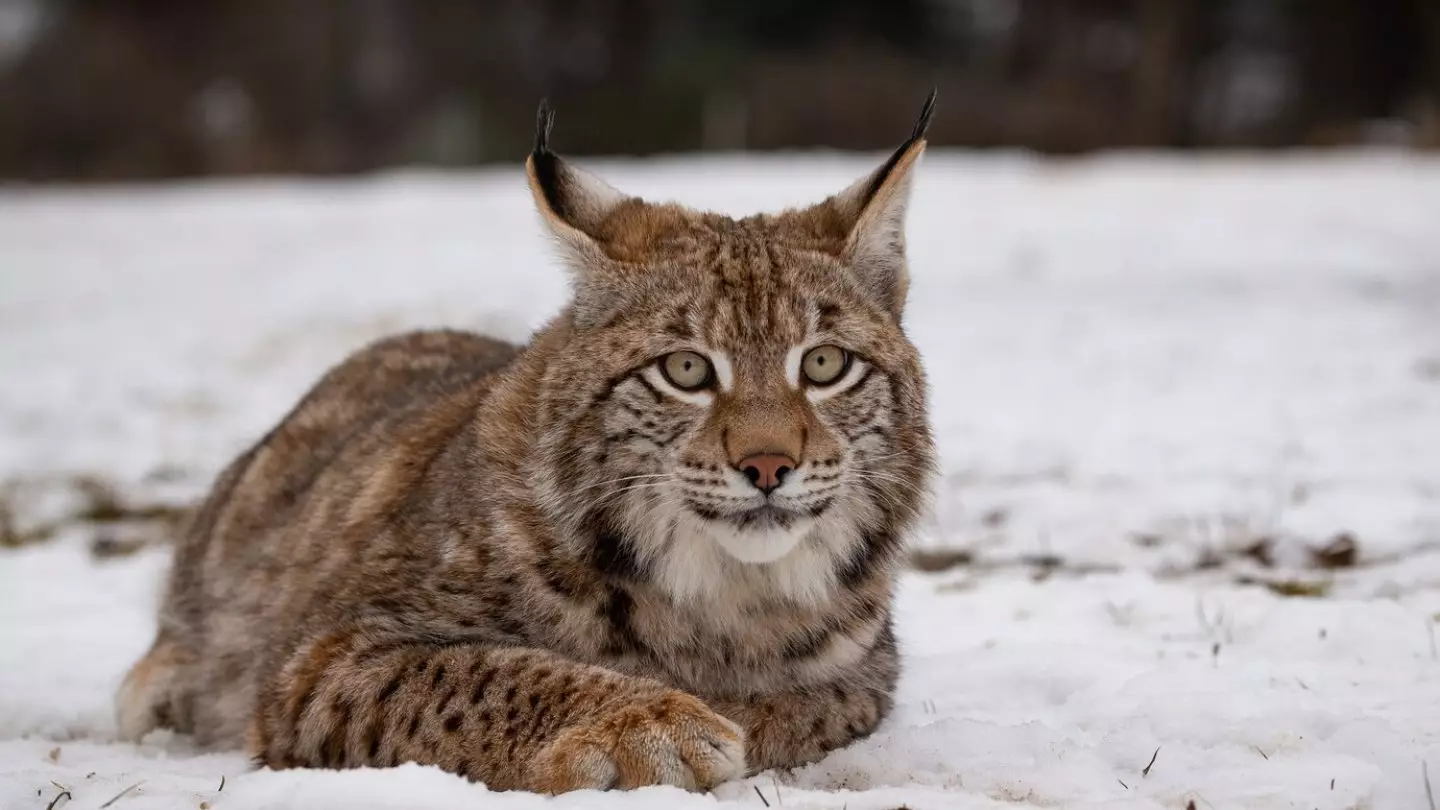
(544, 121)
(925, 113)
(546, 164)
(916, 135)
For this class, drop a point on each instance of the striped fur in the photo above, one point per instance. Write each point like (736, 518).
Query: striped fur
(540, 567)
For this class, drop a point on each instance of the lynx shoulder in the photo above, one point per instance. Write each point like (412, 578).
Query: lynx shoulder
(654, 546)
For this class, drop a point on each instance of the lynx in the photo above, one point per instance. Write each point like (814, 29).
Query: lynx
(657, 545)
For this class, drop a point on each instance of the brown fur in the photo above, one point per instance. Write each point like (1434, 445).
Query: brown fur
(499, 560)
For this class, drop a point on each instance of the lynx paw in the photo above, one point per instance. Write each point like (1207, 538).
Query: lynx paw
(670, 739)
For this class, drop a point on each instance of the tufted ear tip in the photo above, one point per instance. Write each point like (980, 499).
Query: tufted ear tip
(867, 219)
(926, 112)
(544, 122)
(572, 201)
(545, 167)
(899, 163)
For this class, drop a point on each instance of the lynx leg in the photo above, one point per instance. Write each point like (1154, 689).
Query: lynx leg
(511, 717)
(151, 695)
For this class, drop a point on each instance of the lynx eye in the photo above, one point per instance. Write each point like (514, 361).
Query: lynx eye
(824, 364)
(687, 371)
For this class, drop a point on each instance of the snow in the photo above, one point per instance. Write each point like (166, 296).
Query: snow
(1160, 371)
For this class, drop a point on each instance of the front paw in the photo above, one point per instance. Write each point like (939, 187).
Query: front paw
(669, 739)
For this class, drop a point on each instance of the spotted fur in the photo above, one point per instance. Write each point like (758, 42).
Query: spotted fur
(543, 567)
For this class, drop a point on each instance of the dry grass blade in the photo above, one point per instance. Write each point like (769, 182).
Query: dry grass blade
(1429, 793)
(63, 794)
(118, 796)
(1341, 552)
(1040, 566)
(1153, 757)
(1307, 589)
(934, 560)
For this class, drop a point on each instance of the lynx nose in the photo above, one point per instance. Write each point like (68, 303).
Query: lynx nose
(766, 471)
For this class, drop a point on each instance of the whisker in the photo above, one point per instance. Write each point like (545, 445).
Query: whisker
(610, 496)
(886, 457)
(878, 475)
(621, 479)
(908, 486)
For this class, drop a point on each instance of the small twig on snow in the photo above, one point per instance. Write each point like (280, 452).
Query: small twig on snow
(1425, 773)
(1122, 783)
(222, 784)
(1261, 753)
(1153, 756)
(63, 794)
(763, 800)
(120, 795)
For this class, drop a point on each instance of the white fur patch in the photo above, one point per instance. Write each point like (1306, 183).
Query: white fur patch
(724, 371)
(598, 196)
(702, 564)
(793, 359)
(698, 560)
(760, 545)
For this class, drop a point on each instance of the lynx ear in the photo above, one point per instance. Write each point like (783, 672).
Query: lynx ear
(865, 223)
(572, 202)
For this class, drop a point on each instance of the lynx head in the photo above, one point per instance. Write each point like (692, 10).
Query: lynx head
(735, 404)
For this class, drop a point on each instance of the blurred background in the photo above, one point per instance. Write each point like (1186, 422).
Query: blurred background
(146, 89)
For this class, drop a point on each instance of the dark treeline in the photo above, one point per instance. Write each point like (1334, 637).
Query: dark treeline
(109, 89)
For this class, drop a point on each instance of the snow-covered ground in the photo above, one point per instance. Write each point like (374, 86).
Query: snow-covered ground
(1168, 394)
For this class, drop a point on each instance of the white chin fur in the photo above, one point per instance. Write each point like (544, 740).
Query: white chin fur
(761, 545)
(696, 559)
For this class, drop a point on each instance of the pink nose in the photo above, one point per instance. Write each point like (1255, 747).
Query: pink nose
(766, 471)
